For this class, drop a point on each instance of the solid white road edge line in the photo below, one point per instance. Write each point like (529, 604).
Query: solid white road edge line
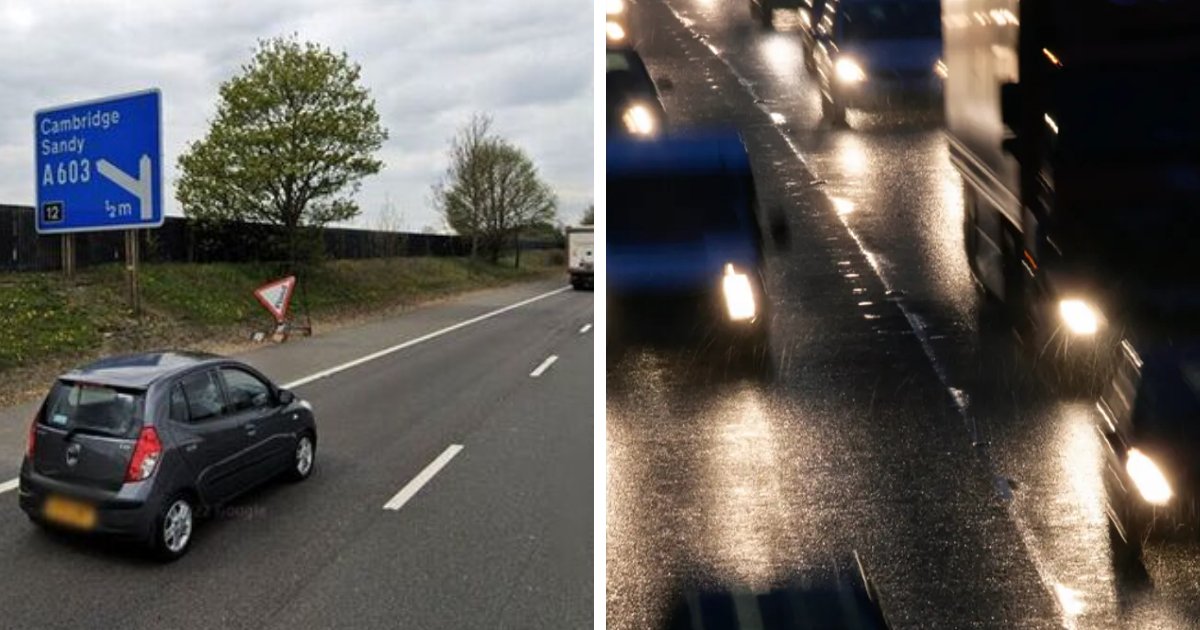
(11, 484)
(412, 342)
(586, 327)
(422, 478)
(537, 371)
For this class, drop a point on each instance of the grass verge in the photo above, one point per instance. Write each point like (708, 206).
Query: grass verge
(48, 325)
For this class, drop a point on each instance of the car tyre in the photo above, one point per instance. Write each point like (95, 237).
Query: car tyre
(833, 112)
(1126, 553)
(173, 528)
(304, 458)
(766, 15)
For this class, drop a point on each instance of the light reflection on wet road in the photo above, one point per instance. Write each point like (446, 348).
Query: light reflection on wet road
(988, 516)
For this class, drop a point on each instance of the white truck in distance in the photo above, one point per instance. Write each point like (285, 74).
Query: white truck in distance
(580, 261)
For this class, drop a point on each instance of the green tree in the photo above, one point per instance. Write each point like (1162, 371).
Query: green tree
(589, 215)
(293, 137)
(491, 190)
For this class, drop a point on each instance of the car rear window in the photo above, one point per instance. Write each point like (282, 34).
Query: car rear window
(673, 209)
(91, 408)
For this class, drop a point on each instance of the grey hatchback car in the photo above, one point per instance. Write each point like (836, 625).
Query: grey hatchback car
(140, 446)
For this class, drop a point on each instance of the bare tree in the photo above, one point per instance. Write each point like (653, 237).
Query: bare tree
(491, 190)
(388, 225)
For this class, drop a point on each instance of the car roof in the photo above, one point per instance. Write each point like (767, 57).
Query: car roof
(694, 152)
(139, 371)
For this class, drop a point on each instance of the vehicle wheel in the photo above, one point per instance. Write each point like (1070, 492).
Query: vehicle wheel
(833, 112)
(766, 15)
(576, 284)
(173, 529)
(971, 240)
(1126, 553)
(303, 459)
(1015, 299)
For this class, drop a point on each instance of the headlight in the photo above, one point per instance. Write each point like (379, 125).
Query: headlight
(639, 120)
(614, 31)
(940, 69)
(848, 71)
(1148, 478)
(1079, 317)
(739, 295)
(615, 7)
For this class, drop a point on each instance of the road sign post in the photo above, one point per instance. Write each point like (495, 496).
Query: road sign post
(132, 254)
(99, 167)
(67, 252)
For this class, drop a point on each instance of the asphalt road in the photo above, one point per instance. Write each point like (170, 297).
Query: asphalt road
(500, 537)
(898, 421)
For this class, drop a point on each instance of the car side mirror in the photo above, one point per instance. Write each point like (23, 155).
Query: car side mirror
(781, 232)
(1011, 146)
(665, 84)
(286, 397)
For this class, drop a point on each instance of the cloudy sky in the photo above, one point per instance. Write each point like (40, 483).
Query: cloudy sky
(428, 63)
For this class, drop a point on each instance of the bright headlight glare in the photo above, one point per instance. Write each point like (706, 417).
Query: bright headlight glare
(1079, 317)
(1148, 478)
(739, 295)
(940, 69)
(848, 71)
(615, 7)
(639, 120)
(614, 31)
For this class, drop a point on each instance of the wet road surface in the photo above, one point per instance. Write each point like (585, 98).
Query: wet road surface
(898, 421)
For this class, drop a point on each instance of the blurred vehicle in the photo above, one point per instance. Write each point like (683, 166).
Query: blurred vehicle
(1148, 427)
(1074, 127)
(580, 256)
(836, 597)
(764, 10)
(683, 232)
(810, 16)
(618, 23)
(878, 55)
(139, 446)
(634, 106)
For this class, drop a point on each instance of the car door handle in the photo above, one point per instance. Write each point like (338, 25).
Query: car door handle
(190, 448)
(251, 430)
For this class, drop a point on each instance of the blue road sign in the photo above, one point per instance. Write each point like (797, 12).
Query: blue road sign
(99, 164)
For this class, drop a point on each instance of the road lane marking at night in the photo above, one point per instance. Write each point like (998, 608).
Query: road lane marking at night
(1040, 564)
(537, 371)
(422, 478)
(422, 339)
(586, 327)
(11, 484)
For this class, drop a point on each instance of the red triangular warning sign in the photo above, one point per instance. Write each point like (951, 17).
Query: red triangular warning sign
(277, 296)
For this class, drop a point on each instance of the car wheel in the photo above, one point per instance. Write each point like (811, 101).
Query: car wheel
(303, 458)
(1126, 552)
(173, 529)
(833, 112)
(766, 15)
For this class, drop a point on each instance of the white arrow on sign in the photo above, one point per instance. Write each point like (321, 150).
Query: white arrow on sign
(140, 187)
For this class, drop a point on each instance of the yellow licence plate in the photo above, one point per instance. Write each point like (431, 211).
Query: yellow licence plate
(70, 513)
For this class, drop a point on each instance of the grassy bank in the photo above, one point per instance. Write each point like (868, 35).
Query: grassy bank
(47, 324)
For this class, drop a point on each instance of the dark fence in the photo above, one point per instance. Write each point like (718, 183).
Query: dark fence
(181, 240)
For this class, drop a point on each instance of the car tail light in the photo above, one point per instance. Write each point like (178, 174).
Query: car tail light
(32, 441)
(145, 456)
